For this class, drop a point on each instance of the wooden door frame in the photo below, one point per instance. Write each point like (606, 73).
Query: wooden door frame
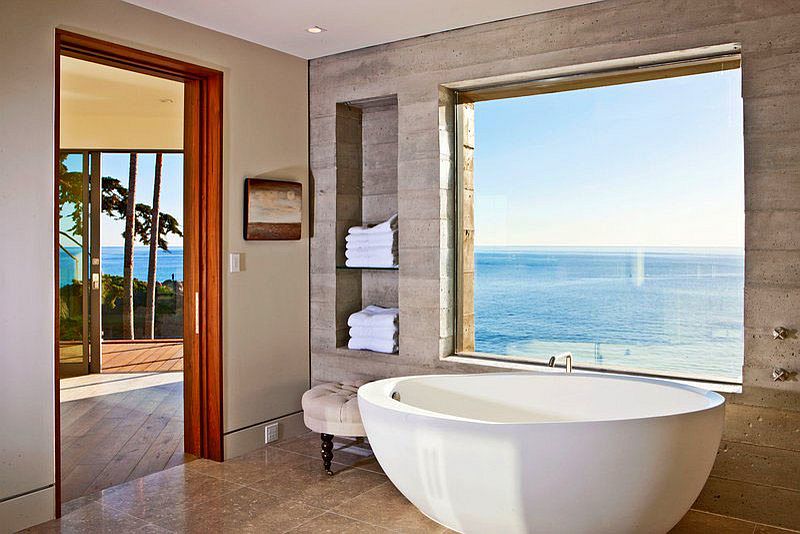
(202, 286)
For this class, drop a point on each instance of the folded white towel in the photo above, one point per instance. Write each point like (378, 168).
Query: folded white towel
(374, 316)
(375, 332)
(380, 254)
(371, 240)
(370, 246)
(375, 345)
(389, 224)
(366, 263)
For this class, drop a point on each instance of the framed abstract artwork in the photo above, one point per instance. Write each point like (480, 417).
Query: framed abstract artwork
(273, 210)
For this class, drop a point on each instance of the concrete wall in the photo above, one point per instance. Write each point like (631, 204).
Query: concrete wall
(755, 477)
(265, 328)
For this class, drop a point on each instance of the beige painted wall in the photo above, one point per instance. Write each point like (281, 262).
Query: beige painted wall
(265, 321)
(756, 473)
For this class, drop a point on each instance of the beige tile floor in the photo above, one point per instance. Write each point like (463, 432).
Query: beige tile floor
(282, 488)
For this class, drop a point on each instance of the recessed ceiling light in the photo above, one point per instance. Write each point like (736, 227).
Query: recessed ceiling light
(315, 29)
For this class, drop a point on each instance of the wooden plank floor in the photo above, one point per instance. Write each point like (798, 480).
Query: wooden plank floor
(142, 357)
(109, 439)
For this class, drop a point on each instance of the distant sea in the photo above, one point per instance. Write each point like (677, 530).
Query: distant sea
(665, 310)
(169, 263)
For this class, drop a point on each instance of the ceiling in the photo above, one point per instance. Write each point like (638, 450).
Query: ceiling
(349, 24)
(107, 107)
(93, 89)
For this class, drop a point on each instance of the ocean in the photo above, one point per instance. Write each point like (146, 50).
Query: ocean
(169, 263)
(668, 311)
(673, 311)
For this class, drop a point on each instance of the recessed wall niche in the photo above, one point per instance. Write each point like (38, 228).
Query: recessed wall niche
(366, 193)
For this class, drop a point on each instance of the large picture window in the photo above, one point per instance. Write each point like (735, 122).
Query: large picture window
(604, 216)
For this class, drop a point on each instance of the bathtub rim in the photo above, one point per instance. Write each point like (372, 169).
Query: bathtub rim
(378, 393)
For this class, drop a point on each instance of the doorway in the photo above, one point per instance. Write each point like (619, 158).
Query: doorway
(111, 323)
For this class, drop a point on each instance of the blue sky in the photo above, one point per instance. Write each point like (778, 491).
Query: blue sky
(171, 201)
(657, 163)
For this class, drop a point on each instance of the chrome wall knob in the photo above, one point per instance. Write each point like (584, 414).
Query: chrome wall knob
(779, 332)
(779, 374)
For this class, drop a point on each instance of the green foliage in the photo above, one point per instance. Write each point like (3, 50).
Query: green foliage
(114, 204)
(70, 314)
(167, 224)
(167, 302)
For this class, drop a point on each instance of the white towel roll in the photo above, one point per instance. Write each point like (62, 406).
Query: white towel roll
(374, 316)
(371, 240)
(375, 345)
(373, 254)
(375, 332)
(365, 263)
(389, 224)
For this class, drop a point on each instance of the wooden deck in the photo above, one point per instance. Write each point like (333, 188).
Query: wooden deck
(142, 356)
(124, 428)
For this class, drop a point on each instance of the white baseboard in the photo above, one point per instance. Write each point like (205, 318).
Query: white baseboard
(251, 438)
(27, 510)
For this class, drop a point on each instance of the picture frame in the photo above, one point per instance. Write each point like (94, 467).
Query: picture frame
(273, 210)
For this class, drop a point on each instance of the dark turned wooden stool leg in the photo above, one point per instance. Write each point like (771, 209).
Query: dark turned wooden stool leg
(327, 452)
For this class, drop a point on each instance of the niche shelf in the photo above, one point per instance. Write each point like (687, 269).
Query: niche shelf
(345, 267)
(366, 193)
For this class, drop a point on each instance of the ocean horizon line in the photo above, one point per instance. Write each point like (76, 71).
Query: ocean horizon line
(613, 248)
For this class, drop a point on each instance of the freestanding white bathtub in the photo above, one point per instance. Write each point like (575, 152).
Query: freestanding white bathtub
(545, 453)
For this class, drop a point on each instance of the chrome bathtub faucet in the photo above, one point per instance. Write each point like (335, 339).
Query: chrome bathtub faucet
(567, 360)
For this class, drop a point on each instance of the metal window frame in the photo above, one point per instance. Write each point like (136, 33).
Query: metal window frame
(725, 57)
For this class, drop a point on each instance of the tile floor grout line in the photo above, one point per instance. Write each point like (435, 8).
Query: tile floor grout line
(362, 520)
(360, 494)
(192, 505)
(316, 456)
(267, 492)
(760, 484)
(306, 522)
(754, 523)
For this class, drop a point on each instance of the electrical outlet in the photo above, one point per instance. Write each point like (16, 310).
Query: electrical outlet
(271, 433)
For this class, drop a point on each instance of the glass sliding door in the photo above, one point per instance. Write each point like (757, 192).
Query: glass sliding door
(73, 263)
(93, 292)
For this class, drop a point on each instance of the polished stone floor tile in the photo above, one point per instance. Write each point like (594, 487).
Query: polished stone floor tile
(250, 468)
(385, 506)
(244, 510)
(95, 518)
(309, 483)
(701, 523)
(282, 490)
(346, 451)
(160, 495)
(80, 502)
(329, 523)
(763, 529)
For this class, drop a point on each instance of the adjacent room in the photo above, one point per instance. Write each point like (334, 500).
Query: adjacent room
(526, 266)
(120, 275)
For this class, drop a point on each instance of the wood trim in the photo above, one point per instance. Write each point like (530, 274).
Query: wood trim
(124, 57)
(57, 289)
(211, 268)
(203, 432)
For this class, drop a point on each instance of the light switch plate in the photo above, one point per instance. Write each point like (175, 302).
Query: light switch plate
(235, 260)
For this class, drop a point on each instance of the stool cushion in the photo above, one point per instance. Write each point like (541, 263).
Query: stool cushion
(333, 409)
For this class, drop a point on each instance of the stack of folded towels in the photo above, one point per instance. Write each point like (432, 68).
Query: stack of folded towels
(374, 328)
(372, 246)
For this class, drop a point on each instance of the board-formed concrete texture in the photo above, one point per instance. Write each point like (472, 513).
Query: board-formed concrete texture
(756, 474)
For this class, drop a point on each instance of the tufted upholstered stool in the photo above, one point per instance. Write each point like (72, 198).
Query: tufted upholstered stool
(332, 410)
